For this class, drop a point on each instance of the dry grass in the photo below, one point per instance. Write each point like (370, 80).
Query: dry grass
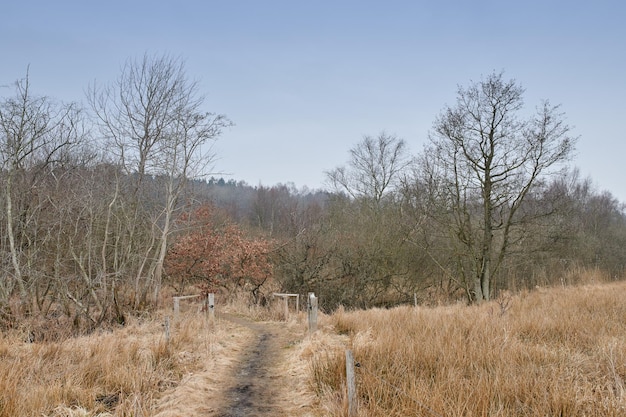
(273, 309)
(118, 373)
(556, 352)
(133, 371)
(549, 352)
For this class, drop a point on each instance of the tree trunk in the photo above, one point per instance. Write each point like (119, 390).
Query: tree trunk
(158, 270)
(485, 280)
(11, 235)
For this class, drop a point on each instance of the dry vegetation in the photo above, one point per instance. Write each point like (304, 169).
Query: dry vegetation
(120, 372)
(549, 352)
(132, 371)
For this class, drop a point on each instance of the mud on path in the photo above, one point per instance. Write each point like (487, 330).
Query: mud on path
(252, 369)
(258, 386)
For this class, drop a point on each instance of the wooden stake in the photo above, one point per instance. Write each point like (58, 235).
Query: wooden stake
(312, 313)
(351, 383)
(211, 306)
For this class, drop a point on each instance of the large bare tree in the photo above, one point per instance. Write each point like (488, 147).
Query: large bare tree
(154, 119)
(369, 266)
(484, 158)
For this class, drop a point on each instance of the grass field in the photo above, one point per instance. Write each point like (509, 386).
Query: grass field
(119, 372)
(548, 352)
(551, 352)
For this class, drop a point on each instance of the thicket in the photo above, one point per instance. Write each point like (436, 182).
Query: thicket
(103, 207)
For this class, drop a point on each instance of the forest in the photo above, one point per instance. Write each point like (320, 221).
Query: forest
(111, 205)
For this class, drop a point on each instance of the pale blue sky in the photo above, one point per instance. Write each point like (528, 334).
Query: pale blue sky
(304, 81)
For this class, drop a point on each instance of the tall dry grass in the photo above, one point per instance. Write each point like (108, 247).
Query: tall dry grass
(556, 352)
(114, 373)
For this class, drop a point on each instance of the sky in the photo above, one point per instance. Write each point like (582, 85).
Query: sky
(304, 81)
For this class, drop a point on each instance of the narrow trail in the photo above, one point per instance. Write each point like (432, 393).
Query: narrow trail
(251, 369)
(260, 386)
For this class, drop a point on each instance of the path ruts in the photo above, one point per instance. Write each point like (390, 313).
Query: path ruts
(258, 385)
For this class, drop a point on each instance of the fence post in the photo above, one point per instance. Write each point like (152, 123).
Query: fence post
(167, 329)
(176, 306)
(210, 307)
(351, 383)
(286, 305)
(312, 313)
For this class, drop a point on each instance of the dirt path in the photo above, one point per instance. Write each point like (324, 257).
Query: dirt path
(259, 383)
(252, 369)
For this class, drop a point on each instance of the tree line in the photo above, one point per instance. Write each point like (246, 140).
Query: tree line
(105, 205)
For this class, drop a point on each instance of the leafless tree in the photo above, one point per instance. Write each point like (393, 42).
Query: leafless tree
(368, 260)
(374, 168)
(483, 160)
(153, 117)
(35, 134)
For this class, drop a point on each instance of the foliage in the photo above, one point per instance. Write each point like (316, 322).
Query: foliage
(216, 254)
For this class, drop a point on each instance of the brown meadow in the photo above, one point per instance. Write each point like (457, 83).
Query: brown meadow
(547, 352)
(556, 352)
(121, 372)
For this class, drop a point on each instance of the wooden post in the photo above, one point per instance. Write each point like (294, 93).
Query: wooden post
(176, 306)
(285, 298)
(351, 383)
(415, 299)
(210, 307)
(167, 329)
(312, 313)
(286, 303)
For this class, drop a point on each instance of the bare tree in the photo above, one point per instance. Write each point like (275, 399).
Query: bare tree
(483, 160)
(368, 258)
(154, 120)
(374, 168)
(34, 133)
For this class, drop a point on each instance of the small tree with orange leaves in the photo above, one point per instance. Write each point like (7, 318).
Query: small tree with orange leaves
(215, 254)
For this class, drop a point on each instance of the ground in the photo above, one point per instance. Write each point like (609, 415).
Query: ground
(253, 369)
